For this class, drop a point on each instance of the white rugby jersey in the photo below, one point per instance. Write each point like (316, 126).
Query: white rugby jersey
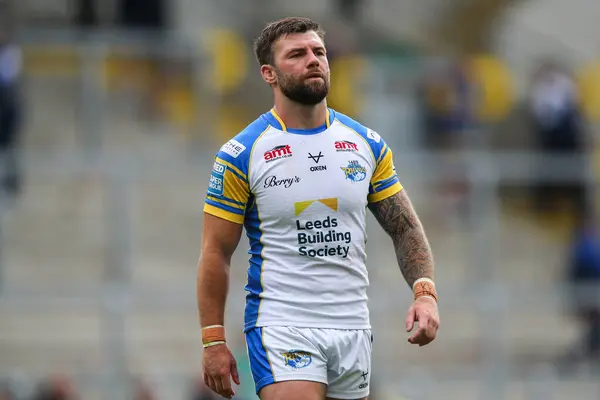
(302, 197)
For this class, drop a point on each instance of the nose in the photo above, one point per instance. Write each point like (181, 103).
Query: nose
(313, 60)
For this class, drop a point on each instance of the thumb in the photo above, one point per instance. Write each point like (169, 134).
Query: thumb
(410, 319)
(234, 372)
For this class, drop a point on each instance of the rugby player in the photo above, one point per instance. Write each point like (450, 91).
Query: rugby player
(299, 179)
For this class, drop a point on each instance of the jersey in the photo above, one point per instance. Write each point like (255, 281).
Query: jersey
(302, 197)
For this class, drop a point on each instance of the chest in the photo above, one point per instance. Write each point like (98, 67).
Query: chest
(291, 172)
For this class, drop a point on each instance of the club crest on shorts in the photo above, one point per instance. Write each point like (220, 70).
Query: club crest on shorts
(297, 358)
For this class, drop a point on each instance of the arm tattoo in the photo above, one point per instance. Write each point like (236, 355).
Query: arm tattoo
(398, 218)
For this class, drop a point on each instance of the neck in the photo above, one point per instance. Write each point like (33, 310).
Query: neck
(300, 116)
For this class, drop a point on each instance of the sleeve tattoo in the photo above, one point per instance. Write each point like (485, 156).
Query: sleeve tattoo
(398, 218)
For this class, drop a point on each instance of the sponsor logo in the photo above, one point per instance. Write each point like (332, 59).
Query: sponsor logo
(365, 384)
(233, 148)
(345, 145)
(321, 237)
(215, 185)
(315, 158)
(274, 181)
(300, 206)
(278, 152)
(354, 171)
(218, 168)
(297, 358)
(371, 134)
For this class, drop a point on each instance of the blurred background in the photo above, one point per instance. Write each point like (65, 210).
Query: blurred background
(112, 110)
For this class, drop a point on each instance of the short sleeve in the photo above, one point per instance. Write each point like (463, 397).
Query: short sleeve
(228, 188)
(384, 182)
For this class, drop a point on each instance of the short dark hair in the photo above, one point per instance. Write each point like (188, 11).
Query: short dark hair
(263, 46)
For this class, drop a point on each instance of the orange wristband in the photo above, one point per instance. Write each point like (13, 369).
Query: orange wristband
(424, 287)
(213, 333)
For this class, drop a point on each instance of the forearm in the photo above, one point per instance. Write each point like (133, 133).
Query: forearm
(413, 252)
(212, 288)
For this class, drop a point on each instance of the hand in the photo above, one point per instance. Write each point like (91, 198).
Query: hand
(219, 364)
(424, 310)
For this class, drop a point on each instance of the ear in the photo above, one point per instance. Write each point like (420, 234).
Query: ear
(268, 74)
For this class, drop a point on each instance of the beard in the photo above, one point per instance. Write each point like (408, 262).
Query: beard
(301, 91)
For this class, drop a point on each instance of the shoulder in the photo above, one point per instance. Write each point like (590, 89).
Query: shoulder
(237, 150)
(374, 140)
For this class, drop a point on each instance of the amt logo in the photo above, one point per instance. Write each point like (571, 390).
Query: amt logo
(278, 152)
(345, 146)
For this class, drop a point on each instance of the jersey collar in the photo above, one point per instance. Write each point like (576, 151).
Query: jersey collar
(276, 121)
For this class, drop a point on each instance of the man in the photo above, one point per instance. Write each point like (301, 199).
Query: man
(583, 278)
(559, 131)
(10, 110)
(299, 179)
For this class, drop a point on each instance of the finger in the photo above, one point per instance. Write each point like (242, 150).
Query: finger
(225, 382)
(427, 335)
(417, 337)
(422, 331)
(425, 340)
(211, 384)
(218, 385)
(206, 380)
(410, 319)
(432, 328)
(234, 373)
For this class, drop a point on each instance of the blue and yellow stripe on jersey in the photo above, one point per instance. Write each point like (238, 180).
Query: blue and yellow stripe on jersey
(229, 189)
(384, 182)
(227, 192)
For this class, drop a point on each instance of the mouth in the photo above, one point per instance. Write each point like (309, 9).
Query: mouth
(313, 75)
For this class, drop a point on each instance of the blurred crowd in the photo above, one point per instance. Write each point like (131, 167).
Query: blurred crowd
(10, 112)
(553, 125)
(61, 388)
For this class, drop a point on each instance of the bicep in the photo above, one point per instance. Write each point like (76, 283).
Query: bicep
(220, 236)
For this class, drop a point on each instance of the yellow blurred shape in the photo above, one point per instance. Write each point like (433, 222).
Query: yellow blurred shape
(495, 84)
(231, 120)
(179, 105)
(229, 57)
(128, 70)
(588, 81)
(50, 60)
(347, 74)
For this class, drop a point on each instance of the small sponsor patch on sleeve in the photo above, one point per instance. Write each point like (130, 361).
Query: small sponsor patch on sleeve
(233, 148)
(215, 185)
(371, 134)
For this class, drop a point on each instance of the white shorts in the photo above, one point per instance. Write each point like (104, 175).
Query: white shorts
(341, 359)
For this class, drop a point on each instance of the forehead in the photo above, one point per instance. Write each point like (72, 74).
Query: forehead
(298, 40)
